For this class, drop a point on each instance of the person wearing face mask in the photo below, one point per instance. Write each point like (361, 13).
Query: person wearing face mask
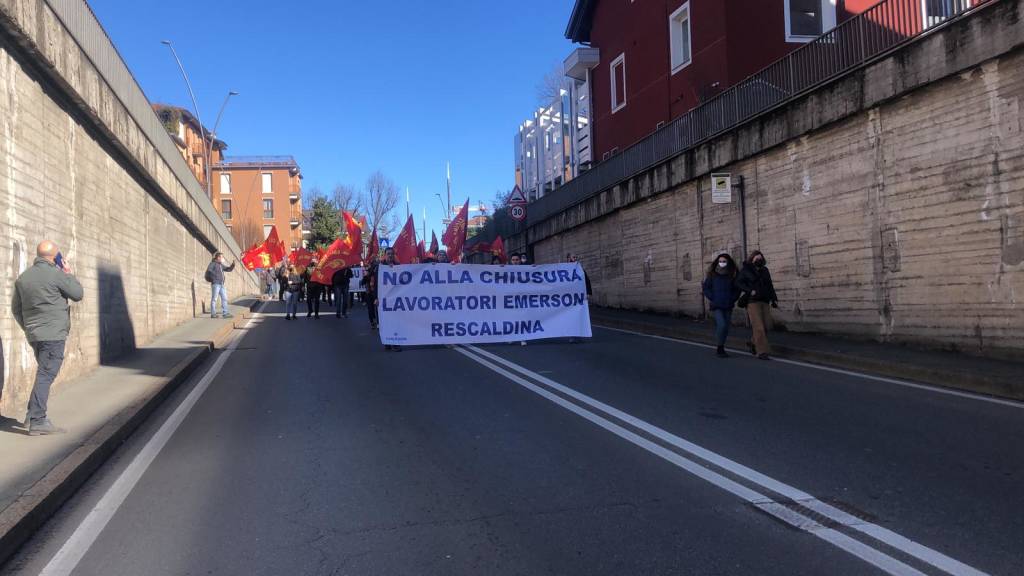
(720, 289)
(756, 283)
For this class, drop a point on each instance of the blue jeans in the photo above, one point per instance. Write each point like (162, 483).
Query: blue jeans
(292, 303)
(218, 289)
(723, 318)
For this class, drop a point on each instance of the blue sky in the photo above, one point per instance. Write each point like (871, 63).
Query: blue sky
(349, 87)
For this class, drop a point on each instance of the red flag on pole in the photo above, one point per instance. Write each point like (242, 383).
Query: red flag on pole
(454, 238)
(433, 243)
(498, 249)
(421, 251)
(265, 254)
(372, 248)
(405, 244)
(341, 252)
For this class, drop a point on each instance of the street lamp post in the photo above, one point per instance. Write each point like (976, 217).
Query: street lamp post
(207, 138)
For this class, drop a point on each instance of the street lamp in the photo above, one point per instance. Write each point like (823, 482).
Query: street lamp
(213, 135)
(195, 107)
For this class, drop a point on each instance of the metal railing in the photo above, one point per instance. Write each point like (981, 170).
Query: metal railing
(853, 43)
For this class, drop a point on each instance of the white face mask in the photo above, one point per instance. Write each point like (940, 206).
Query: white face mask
(723, 264)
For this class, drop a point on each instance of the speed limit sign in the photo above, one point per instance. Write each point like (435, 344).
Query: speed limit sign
(517, 205)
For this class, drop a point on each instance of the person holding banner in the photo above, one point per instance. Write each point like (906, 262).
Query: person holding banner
(389, 261)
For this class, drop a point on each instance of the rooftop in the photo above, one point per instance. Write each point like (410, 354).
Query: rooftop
(259, 162)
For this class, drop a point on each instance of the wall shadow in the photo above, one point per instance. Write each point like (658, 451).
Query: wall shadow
(116, 330)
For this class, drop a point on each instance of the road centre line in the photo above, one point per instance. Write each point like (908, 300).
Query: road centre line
(871, 555)
(904, 383)
(74, 549)
(884, 535)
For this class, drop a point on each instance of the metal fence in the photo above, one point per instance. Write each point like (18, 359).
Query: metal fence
(853, 43)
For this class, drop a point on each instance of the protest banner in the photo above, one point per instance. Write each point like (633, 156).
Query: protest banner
(466, 303)
(355, 284)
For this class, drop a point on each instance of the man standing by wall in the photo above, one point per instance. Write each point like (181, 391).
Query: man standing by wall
(215, 276)
(41, 308)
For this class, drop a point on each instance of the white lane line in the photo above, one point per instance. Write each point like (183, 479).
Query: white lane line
(879, 533)
(871, 555)
(70, 554)
(905, 383)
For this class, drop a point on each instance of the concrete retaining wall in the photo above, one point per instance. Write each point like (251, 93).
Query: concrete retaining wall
(890, 203)
(80, 167)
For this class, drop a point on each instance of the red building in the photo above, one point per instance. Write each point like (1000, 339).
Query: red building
(650, 61)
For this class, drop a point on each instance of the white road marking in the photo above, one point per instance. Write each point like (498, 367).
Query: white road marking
(71, 553)
(875, 557)
(879, 533)
(905, 383)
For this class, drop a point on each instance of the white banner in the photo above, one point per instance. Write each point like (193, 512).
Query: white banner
(470, 303)
(355, 284)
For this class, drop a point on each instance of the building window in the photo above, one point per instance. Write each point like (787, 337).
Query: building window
(618, 74)
(266, 230)
(268, 209)
(937, 11)
(679, 37)
(225, 209)
(225, 183)
(808, 19)
(268, 184)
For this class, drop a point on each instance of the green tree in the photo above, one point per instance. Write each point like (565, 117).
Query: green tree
(324, 225)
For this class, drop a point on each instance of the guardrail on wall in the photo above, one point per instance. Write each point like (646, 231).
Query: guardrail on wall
(853, 43)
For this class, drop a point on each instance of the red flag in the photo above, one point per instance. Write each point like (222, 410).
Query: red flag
(373, 248)
(433, 243)
(265, 254)
(498, 249)
(300, 257)
(405, 245)
(421, 251)
(341, 252)
(353, 238)
(454, 237)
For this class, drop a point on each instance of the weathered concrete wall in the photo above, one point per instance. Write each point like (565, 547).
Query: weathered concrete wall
(76, 167)
(890, 204)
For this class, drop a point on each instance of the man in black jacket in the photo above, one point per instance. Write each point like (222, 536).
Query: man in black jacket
(340, 282)
(313, 291)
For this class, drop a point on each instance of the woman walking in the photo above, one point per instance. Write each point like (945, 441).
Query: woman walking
(720, 289)
(756, 283)
(294, 286)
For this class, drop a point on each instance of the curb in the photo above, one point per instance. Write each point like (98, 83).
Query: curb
(23, 517)
(963, 381)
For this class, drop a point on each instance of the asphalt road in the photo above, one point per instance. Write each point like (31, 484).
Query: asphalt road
(314, 451)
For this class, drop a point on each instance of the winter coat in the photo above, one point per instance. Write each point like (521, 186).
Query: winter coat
(342, 277)
(721, 291)
(40, 303)
(215, 272)
(294, 282)
(754, 279)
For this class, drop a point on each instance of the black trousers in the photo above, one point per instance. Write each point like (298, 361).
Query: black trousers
(283, 287)
(341, 304)
(313, 298)
(371, 307)
(49, 358)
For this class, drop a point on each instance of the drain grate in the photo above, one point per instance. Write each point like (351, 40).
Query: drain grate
(812, 513)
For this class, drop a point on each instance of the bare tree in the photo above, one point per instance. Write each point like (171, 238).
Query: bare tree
(247, 232)
(309, 197)
(550, 86)
(381, 197)
(346, 199)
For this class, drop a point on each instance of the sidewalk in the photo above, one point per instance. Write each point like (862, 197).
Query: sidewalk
(99, 410)
(948, 369)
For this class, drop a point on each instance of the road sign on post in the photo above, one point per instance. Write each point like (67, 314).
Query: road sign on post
(721, 188)
(517, 205)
